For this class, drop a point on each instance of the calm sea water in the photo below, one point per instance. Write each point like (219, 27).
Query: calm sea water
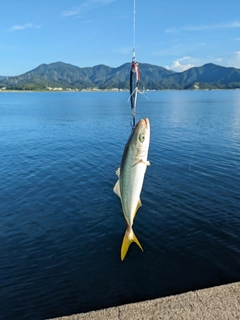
(61, 225)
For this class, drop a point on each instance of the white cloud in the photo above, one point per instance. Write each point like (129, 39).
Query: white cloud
(228, 59)
(184, 58)
(218, 60)
(234, 24)
(179, 65)
(87, 21)
(23, 27)
(70, 13)
(168, 50)
(87, 5)
(233, 61)
(171, 30)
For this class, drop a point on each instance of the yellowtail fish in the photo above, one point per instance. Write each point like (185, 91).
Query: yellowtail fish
(131, 175)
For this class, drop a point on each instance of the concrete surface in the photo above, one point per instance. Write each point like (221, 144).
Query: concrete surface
(217, 303)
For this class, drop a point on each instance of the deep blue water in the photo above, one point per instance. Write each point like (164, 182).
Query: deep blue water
(61, 225)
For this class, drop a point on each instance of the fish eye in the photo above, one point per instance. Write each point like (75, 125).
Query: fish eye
(141, 137)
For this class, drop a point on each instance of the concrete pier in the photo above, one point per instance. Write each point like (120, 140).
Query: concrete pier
(217, 303)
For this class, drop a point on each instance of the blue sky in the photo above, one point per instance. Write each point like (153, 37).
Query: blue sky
(175, 34)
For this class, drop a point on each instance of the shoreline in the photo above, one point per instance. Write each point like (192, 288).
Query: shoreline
(70, 91)
(111, 90)
(221, 302)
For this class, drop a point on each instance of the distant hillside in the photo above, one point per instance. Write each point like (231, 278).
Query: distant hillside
(59, 74)
(1, 77)
(208, 76)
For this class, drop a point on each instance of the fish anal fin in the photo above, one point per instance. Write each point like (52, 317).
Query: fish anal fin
(118, 172)
(128, 238)
(139, 204)
(116, 189)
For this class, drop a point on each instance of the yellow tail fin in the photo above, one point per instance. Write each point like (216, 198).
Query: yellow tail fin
(128, 238)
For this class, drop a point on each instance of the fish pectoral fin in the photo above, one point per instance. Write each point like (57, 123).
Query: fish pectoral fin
(128, 238)
(147, 163)
(116, 189)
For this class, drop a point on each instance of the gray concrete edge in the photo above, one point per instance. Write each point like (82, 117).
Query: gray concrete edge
(222, 302)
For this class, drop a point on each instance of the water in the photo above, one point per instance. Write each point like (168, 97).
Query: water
(61, 225)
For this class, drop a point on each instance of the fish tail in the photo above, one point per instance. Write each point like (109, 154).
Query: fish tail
(128, 238)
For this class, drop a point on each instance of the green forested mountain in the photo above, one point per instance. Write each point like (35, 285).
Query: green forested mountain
(64, 75)
(207, 76)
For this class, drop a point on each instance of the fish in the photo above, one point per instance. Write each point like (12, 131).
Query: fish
(130, 179)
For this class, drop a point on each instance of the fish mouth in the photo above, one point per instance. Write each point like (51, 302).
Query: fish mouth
(144, 123)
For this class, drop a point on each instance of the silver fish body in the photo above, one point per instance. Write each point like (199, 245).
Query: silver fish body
(131, 176)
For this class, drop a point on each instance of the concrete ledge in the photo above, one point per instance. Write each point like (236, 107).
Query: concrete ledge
(215, 303)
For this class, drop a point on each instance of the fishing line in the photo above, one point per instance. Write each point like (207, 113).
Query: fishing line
(134, 29)
(134, 72)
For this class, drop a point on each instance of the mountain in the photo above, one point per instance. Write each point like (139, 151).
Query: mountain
(64, 75)
(208, 76)
(59, 74)
(1, 77)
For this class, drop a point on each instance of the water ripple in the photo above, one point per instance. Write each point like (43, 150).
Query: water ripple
(61, 225)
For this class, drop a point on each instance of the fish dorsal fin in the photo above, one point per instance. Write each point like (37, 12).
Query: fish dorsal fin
(116, 189)
(118, 172)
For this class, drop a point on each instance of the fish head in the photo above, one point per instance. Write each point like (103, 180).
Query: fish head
(141, 134)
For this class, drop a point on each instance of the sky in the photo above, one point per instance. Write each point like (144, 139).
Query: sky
(174, 34)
